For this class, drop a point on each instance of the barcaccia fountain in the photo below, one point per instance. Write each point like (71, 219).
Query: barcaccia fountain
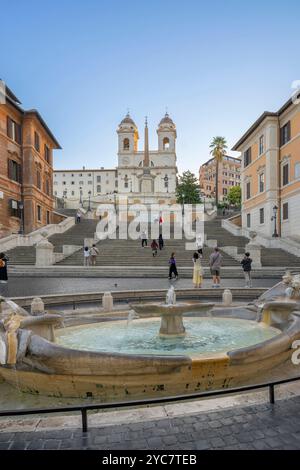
(171, 348)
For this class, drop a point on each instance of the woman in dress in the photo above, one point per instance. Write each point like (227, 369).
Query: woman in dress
(197, 271)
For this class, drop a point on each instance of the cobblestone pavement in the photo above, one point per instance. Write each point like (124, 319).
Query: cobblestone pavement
(262, 426)
(18, 287)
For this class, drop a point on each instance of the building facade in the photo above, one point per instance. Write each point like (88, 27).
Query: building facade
(26, 168)
(229, 175)
(271, 172)
(141, 175)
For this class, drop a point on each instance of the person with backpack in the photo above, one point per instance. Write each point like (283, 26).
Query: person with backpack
(93, 254)
(144, 238)
(154, 247)
(3, 273)
(78, 217)
(215, 263)
(172, 267)
(246, 265)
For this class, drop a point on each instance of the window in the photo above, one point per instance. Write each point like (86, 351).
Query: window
(98, 188)
(248, 220)
(98, 179)
(224, 191)
(116, 183)
(55, 193)
(90, 182)
(36, 141)
(63, 182)
(55, 183)
(47, 187)
(47, 153)
(126, 144)
(261, 216)
(38, 179)
(261, 144)
(48, 217)
(81, 183)
(248, 190)
(13, 130)
(39, 213)
(90, 174)
(80, 175)
(72, 182)
(297, 170)
(14, 171)
(247, 157)
(166, 143)
(285, 174)
(72, 193)
(261, 182)
(285, 133)
(14, 208)
(285, 211)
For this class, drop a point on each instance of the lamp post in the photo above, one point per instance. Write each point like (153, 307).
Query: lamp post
(21, 207)
(80, 199)
(183, 195)
(89, 207)
(274, 217)
(65, 197)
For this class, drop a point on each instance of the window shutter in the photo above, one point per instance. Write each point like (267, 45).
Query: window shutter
(9, 169)
(289, 131)
(20, 174)
(18, 133)
(9, 127)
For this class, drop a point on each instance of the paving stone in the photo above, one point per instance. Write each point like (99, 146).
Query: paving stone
(5, 445)
(52, 444)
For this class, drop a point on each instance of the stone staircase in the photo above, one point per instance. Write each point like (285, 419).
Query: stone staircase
(129, 253)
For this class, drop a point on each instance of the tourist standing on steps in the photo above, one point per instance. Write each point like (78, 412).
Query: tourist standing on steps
(160, 241)
(3, 274)
(154, 247)
(78, 217)
(197, 271)
(215, 263)
(144, 238)
(172, 267)
(93, 253)
(86, 256)
(246, 265)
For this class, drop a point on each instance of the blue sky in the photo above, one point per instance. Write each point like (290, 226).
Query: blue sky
(216, 65)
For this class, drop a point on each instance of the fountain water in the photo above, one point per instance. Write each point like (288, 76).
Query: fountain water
(171, 313)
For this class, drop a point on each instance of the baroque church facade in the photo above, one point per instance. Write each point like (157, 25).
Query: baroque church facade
(142, 176)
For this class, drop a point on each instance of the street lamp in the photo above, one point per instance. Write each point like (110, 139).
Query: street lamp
(89, 208)
(65, 197)
(21, 207)
(274, 217)
(80, 192)
(183, 195)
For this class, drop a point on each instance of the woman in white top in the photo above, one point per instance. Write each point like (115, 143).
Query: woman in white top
(197, 271)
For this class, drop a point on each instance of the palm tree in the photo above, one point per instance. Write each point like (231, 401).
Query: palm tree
(218, 146)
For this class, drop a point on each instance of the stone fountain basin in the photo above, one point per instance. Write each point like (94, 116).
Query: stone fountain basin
(160, 309)
(285, 306)
(55, 370)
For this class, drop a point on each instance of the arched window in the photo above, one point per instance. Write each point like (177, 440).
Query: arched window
(166, 143)
(126, 144)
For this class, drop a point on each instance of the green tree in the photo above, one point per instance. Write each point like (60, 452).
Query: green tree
(235, 196)
(188, 191)
(218, 151)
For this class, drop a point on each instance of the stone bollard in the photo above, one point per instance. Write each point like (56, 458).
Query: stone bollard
(227, 297)
(44, 253)
(37, 306)
(107, 302)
